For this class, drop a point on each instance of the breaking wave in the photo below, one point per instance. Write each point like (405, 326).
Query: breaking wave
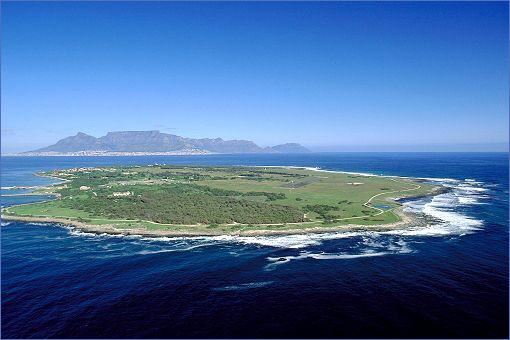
(446, 211)
(368, 245)
(322, 256)
(446, 214)
(449, 209)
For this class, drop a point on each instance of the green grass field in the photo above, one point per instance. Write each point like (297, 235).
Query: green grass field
(181, 198)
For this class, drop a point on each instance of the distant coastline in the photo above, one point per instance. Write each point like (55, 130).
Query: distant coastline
(151, 143)
(100, 153)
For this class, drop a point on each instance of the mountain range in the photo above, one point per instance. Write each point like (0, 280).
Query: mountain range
(155, 141)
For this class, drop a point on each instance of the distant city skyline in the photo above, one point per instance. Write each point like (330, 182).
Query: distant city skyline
(332, 76)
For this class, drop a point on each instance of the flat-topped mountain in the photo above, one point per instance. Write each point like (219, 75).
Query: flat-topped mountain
(155, 141)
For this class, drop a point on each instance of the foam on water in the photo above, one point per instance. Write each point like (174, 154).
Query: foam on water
(293, 241)
(366, 174)
(444, 208)
(365, 245)
(244, 286)
(275, 261)
(437, 180)
(284, 241)
(468, 200)
(157, 251)
(323, 256)
(447, 211)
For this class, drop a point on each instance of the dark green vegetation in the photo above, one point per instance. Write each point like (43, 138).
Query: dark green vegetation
(185, 204)
(228, 198)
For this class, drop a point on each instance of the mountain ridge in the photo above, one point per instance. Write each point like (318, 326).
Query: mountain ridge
(154, 141)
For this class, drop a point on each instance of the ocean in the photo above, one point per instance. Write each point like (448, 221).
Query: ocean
(447, 279)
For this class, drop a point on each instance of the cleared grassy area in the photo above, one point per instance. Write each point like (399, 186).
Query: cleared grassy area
(221, 198)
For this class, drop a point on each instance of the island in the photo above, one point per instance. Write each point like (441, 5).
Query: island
(158, 200)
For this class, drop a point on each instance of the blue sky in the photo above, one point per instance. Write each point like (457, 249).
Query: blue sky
(331, 76)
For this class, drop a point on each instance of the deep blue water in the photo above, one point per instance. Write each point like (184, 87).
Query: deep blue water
(449, 279)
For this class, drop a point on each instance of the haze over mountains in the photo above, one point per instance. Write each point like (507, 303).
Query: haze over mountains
(155, 141)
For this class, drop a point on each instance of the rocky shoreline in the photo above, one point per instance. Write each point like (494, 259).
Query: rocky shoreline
(407, 220)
